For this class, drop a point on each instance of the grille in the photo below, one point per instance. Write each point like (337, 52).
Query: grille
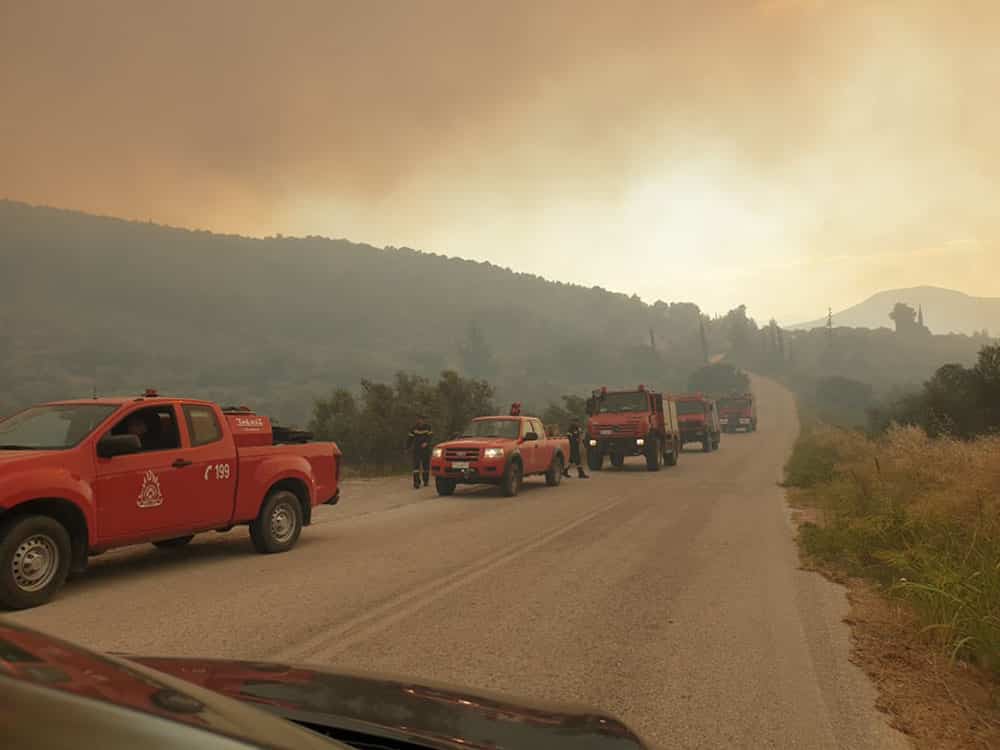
(461, 454)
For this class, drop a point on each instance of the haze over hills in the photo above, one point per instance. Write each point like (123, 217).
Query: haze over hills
(93, 302)
(945, 311)
(90, 301)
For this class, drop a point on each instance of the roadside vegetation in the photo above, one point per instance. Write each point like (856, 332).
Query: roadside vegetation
(916, 507)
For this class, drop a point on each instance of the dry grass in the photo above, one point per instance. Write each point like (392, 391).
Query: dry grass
(920, 516)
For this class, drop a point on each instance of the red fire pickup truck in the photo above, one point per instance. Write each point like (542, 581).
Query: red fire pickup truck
(502, 451)
(78, 478)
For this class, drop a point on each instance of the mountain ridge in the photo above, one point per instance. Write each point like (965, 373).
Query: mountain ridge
(945, 311)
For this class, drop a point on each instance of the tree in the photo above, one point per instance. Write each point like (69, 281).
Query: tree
(843, 401)
(477, 357)
(719, 379)
(336, 419)
(460, 400)
(704, 339)
(904, 317)
(573, 407)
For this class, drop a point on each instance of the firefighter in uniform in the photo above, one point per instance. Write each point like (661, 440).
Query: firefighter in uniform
(419, 443)
(575, 452)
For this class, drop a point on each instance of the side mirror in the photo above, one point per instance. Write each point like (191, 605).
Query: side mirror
(530, 436)
(110, 446)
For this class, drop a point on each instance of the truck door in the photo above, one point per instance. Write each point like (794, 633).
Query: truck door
(544, 449)
(529, 448)
(211, 479)
(146, 493)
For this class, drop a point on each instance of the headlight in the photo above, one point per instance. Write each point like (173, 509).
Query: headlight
(593, 443)
(437, 453)
(640, 441)
(493, 453)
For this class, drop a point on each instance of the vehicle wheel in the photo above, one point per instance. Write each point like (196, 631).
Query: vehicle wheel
(706, 445)
(716, 443)
(671, 458)
(444, 486)
(595, 460)
(510, 485)
(653, 455)
(279, 523)
(35, 556)
(177, 541)
(617, 460)
(554, 475)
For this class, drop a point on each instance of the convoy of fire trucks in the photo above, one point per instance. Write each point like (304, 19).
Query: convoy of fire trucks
(80, 477)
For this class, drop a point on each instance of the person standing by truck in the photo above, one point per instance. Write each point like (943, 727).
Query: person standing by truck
(575, 451)
(419, 443)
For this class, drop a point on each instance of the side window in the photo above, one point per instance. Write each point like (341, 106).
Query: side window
(155, 426)
(203, 427)
(537, 427)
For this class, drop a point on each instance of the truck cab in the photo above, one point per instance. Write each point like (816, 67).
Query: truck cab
(699, 420)
(625, 423)
(738, 412)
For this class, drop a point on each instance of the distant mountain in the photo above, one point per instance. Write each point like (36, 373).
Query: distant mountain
(945, 311)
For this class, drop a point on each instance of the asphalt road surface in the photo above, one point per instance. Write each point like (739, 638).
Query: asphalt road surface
(672, 599)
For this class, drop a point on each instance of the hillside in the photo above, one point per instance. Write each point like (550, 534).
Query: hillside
(945, 311)
(88, 301)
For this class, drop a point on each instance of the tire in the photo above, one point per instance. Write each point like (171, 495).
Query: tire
(175, 543)
(671, 458)
(595, 460)
(653, 454)
(35, 554)
(445, 487)
(279, 523)
(706, 445)
(617, 460)
(554, 475)
(510, 484)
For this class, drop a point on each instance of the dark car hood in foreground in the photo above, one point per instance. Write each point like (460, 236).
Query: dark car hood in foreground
(424, 713)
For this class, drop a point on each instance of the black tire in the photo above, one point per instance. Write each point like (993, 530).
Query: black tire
(595, 460)
(617, 460)
(445, 487)
(653, 454)
(513, 475)
(706, 445)
(35, 554)
(554, 475)
(279, 523)
(671, 458)
(175, 543)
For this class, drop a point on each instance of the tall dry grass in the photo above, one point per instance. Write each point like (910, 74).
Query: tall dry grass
(921, 516)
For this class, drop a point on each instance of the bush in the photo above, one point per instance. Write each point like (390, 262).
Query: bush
(921, 516)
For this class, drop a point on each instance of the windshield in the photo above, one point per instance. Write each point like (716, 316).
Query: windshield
(493, 428)
(690, 407)
(612, 403)
(52, 427)
(734, 404)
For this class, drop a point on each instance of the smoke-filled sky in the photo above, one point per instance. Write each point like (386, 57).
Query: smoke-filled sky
(786, 154)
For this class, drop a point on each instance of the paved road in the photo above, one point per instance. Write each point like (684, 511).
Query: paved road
(672, 599)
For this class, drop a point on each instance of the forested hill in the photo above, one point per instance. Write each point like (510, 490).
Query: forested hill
(88, 300)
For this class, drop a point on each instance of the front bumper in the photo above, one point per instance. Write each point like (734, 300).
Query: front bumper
(481, 471)
(622, 445)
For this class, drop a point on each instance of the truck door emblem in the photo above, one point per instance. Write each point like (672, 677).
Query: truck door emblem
(150, 495)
